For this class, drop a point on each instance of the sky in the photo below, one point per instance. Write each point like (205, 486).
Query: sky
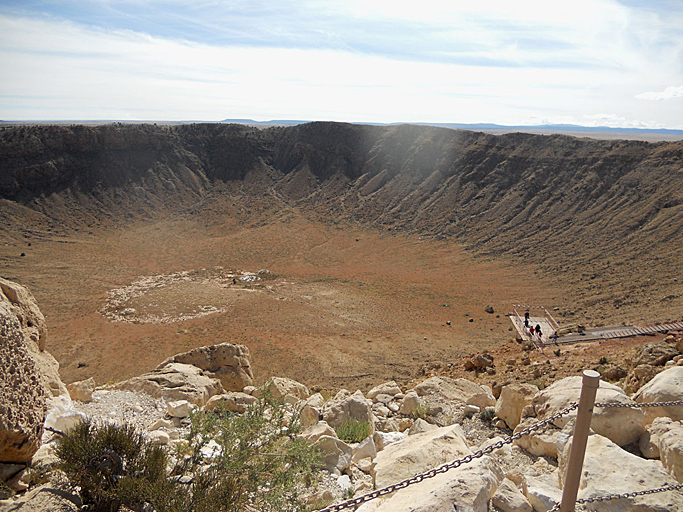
(527, 62)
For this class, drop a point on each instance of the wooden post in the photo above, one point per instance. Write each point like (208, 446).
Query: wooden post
(591, 382)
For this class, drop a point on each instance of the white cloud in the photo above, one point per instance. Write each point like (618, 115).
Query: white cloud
(501, 62)
(667, 94)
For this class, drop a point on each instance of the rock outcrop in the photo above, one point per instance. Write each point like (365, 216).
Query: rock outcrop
(175, 381)
(666, 437)
(622, 425)
(23, 396)
(665, 387)
(21, 305)
(607, 469)
(419, 452)
(227, 362)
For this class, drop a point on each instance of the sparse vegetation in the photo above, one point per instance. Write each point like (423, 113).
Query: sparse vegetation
(422, 412)
(234, 462)
(353, 431)
(487, 414)
(114, 465)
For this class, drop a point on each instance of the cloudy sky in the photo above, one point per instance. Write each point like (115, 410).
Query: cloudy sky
(588, 62)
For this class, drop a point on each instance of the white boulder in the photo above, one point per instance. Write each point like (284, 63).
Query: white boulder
(418, 453)
(622, 425)
(508, 498)
(667, 437)
(513, 398)
(665, 387)
(607, 469)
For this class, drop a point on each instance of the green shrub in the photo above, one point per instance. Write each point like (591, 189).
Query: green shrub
(603, 360)
(422, 412)
(353, 431)
(114, 465)
(260, 464)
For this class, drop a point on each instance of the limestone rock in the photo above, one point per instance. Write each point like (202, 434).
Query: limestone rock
(620, 424)
(365, 450)
(665, 387)
(409, 403)
(159, 436)
(384, 439)
(336, 454)
(178, 409)
(509, 499)
(449, 389)
(513, 398)
(387, 388)
(542, 491)
(418, 453)
(468, 488)
(18, 303)
(175, 381)
(667, 435)
(639, 376)
(22, 394)
(282, 386)
(345, 406)
(315, 432)
(655, 354)
(482, 400)
(234, 402)
(548, 441)
(46, 497)
(607, 469)
(227, 362)
(419, 426)
(82, 390)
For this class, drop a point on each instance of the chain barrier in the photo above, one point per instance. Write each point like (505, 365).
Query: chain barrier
(605, 405)
(354, 502)
(608, 497)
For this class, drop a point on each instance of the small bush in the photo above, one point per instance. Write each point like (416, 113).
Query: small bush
(422, 412)
(487, 414)
(260, 464)
(603, 360)
(353, 431)
(114, 465)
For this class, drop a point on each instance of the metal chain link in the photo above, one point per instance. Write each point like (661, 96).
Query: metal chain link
(451, 465)
(608, 497)
(638, 406)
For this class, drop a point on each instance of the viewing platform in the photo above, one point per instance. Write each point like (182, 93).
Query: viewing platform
(550, 329)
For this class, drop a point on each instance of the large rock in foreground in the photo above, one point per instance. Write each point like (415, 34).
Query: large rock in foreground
(607, 469)
(467, 488)
(175, 381)
(622, 425)
(665, 387)
(667, 436)
(21, 306)
(22, 395)
(418, 453)
(227, 362)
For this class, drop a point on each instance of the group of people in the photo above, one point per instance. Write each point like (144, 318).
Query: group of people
(532, 330)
